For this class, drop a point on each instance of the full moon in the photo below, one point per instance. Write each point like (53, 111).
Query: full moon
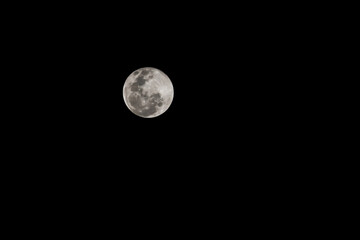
(148, 92)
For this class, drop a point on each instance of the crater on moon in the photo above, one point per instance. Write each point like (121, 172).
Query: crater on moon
(148, 92)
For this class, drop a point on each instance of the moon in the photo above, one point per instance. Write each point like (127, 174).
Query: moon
(148, 92)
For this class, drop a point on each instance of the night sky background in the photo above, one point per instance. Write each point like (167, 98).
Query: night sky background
(231, 126)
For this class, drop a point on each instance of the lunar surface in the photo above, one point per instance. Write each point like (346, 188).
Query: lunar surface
(148, 92)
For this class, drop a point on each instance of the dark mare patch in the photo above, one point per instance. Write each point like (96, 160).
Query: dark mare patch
(134, 101)
(145, 72)
(140, 80)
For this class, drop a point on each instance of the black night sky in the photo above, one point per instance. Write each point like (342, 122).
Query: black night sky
(232, 113)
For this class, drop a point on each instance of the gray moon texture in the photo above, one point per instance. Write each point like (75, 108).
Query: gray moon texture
(148, 92)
